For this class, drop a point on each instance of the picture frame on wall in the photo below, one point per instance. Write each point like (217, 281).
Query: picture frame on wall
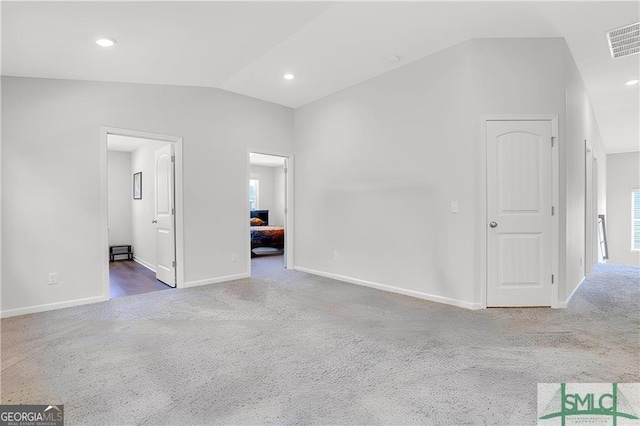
(137, 186)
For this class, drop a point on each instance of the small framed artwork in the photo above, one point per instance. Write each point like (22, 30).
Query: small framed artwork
(137, 186)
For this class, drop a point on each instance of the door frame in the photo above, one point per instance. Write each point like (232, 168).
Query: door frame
(595, 210)
(555, 184)
(104, 199)
(590, 209)
(289, 216)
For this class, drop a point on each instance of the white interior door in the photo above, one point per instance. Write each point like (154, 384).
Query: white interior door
(519, 210)
(165, 223)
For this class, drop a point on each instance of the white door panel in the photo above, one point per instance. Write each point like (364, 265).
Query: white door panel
(519, 194)
(164, 209)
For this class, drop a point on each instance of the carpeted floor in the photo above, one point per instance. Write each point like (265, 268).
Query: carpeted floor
(285, 347)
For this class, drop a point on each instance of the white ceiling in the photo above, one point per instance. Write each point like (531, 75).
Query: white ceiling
(246, 47)
(265, 160)
(126, 143)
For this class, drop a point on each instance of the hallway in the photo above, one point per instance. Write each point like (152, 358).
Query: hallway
(127, 277)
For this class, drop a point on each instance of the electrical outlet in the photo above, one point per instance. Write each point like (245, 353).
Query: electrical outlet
(336, 255)
(454, 207)
(53, 278)
(234, 257)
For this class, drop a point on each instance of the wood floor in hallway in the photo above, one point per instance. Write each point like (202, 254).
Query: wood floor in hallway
(127, 277)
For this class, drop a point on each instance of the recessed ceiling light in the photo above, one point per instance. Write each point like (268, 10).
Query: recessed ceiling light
(632, 82)
(289, 76)
(393, 58)
(106, 42)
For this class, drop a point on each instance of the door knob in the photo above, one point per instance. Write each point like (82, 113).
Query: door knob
(493, 224)
(154, 221)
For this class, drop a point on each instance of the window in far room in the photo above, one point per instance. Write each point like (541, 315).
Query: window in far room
(635, 220)
(254, 191)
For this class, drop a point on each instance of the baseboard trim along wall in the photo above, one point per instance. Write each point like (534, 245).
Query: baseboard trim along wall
(218, 280)
(144, 263)
(51, 306)
(566, 302)
(392, 289)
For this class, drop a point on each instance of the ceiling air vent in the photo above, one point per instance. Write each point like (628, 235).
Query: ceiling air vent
(624, 41)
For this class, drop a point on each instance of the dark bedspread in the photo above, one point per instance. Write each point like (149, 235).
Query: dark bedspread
(267, 236)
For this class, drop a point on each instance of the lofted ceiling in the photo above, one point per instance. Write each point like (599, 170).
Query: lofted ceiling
(247, 47)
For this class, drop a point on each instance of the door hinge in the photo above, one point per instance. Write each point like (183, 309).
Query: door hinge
(286, 210)
(552, 279)
(173, 158)
(553, 210)
(173, 263)
(552, 139)
(286, 170)
(173, 211)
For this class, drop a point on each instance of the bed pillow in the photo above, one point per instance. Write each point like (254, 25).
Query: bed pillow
(256, 221)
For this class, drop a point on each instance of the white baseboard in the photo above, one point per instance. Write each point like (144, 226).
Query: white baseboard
(51, 306)
(208, 281)
(566, 302)
(144, 263)
(392, 289)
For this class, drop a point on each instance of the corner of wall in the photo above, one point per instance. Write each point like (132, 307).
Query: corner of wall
(582, 141)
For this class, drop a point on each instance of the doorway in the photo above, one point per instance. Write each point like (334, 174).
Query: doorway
(521, 230)
(142, 209)
(591, 255)
(270, 203)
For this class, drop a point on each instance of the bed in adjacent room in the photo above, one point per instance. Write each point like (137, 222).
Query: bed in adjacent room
(264, 235)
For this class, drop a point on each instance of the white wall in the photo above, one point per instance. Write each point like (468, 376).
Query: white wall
(51, 179)
(581, 129)
(272, 192)
(539, 76)
(119, 197)
(265, 191)
(143, 211)
(623, 176)
(377, 166)
(276, 217)
(513, 76)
